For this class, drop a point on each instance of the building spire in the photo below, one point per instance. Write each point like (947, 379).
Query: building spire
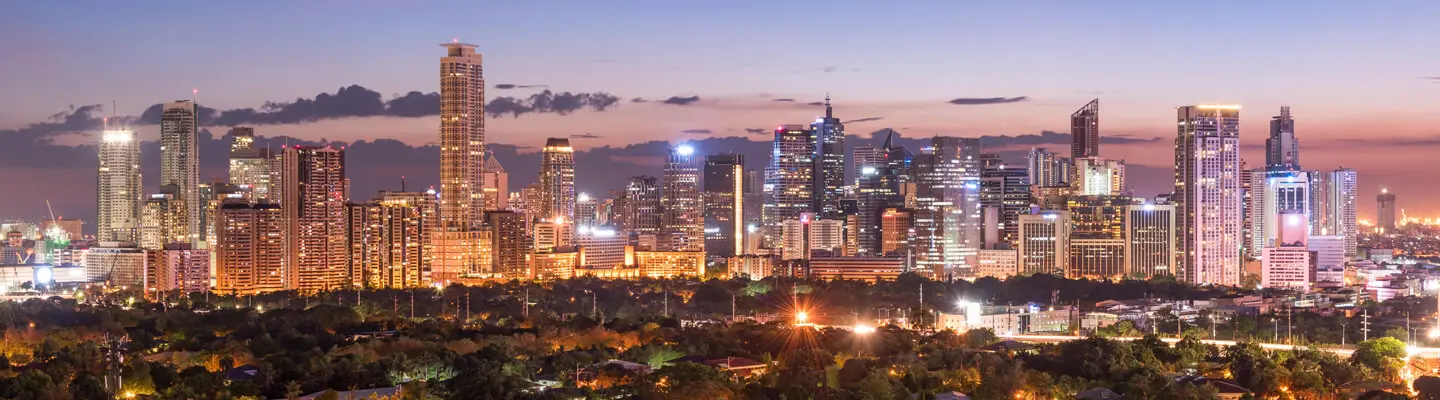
(828, 111)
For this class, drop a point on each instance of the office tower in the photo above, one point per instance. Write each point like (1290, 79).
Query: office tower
(117, 190)
(557, 181)
(1207, 193)
(1044, 241)
(162, 219)
(1097, 217)
(829, 170)
(683, 222)
(882, 188)
(602, 248)
(947, 215)
(1007, 190)
(551, 236)
(250, 167)
(557, 264)
(180, 159)
(1340, 208)
(313, 189)
(753, 202)
(724, 205)
(1288, 262)
(116, 264)
(510, 245)
(789, 180)
(177, 267)
(389, 240)
(532, 201)
(896, 231)
(250, 252)
(1329, 255)
(1045, 169)
(1282, 151)
(1248, 205)
(808, 236)
(462, 161)
(586, 212)
(495, 184)
(865, 156)
(1385, 211)
(1085, 131)
(1282, 191)
(999, 264)
(213, 195)
(1150, 240)
(1096, 176)
(642, 205)
(1096, 259)
(667, 264)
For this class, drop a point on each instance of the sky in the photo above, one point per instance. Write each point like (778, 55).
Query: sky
(1362, 79)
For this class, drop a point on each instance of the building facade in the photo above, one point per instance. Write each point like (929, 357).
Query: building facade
(789, 180)
(117, 190)
(314, 190)
(1207, 193)
(180, 159)
(557, 181)
(724, 205)
(1044, 241)
(682, 209)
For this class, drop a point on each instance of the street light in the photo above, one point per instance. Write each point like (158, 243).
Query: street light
(864, 329)
(801, 317)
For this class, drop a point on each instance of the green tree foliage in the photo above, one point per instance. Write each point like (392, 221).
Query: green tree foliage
(1384, 355)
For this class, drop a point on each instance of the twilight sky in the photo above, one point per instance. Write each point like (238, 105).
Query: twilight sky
(1363, 79)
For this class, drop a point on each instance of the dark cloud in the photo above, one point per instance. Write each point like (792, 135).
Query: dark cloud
(681, 101)
(34, 145)
(639, 100)
(815, 103)
(503, 86)
(787, 100)
(357, 101)
(756, 131)
(866, 119)
(970, 101)
(586, 136)
(697, 131)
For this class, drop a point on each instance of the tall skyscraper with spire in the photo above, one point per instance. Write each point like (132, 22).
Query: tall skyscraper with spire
(1085, 131)
(829, 173)
(180, 159)
(1282, 151)
(118, 188)
(557, 181)
(1207, 193)
(462, 150)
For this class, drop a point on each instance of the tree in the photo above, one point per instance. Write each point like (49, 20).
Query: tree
(1253, 368)
(87, 386)
(876, 386)
(1383, 354)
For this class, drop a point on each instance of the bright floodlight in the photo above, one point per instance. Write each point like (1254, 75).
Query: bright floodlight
(801, 317)
(583, 197)
(1435, 333)
(864, 329)
(685, 150)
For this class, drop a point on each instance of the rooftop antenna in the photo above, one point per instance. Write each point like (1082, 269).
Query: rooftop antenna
(402, 183)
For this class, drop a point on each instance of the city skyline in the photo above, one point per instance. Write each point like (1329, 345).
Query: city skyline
(678, 107)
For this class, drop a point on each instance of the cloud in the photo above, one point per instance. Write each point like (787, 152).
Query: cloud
(970, 101)
(815, 103)
(787, 100)
(866, 119)
(681, 101)
(357, 101)
(503, 86)
(586, 136)
(697, 131)
(756, 131)
(34, 145)
(639, 100)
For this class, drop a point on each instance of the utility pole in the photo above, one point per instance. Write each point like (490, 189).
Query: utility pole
(1365, 325)
(1289, 328)
(594, 307)
(412, 304)
(1275, 327)
(526, 304)
(732, 308)
(1342, 332)
(667, 302)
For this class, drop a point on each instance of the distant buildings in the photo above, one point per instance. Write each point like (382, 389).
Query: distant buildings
(1046, 169)
(1385, 211)
(252, 169)
(1085, 131)
(390, 240)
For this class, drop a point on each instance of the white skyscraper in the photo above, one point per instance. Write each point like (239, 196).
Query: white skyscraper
(180, 159)
(1099, 177)
(1340, 208)
(462, 153)
(118, 188)
(1208, 193)
(1044, 243)
(1282, 191)
(1150, 240)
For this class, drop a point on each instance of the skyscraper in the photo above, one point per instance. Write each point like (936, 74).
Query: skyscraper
(250, 167)
(1047, 170)
(586, 212)
(1085, 131)
(1282, 151)
(683, 222)
(789, 180)
(495, 183)
(162, 219)
(829, 172)
(1006, 189)
(390, 243)
(117, 190)
(180, 159)
(313, 188)
(557, 181)
(510, 244)
(1096, 176)
(1150, 234)
(641, 212)
(1044, 242)
(724, 205)
(947, 215)
(863, 156)
(882, 188)
(1385, 211)
(462, 150)
(1341, 208)
(250, 250)
(1207, 193)
(1281, 192)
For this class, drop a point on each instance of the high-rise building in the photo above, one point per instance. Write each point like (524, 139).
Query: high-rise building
(250, 252)
(753, 201)
(897, 232)
(1097, 217)
(789, 180)
(642, 205)
(1329, 255)
(510, 245)
(829, 170)
(601, 248)
(178, 267)
(1085, 131)
(724, 205)
(1096, 176)
(250, 167)
(1281, 192)
(117, 190)
(1150, 240)
(1044, 241)
(162, 219)
(1340, 208)
(462, 161)
(864, 156)
(313, 190)
(808, 236)
(495, 183)
(586, 212)
(1207, 193)
(214, 194)
(1282, 151)
(947, 214)
(552, 236)
(117, 264)
(557, 181)
(1096, 259)
(1005, 188)
(683, 222)
(180, 159)
(1046, 169)
(1249, 203)
(389, 240)
(880, 189)
(1288, 261)
(1385, 211)
(999, 264)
